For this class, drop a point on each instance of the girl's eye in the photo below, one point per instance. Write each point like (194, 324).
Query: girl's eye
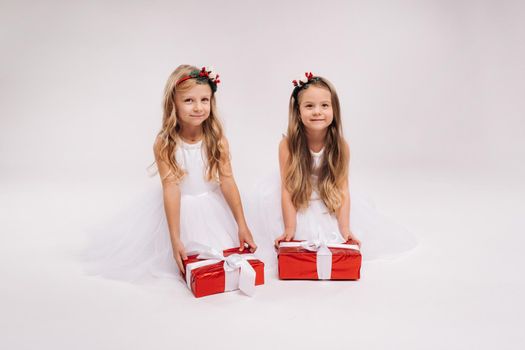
(188, 100)
(325, 105)
(308, 106)
(205, 99)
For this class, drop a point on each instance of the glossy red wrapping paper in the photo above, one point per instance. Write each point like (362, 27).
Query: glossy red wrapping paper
(210, 279)
(301, 264)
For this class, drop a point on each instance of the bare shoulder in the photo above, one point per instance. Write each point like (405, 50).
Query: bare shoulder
(347, 146)
(283, 146)
(284, 152)
(157, 145)
(224, 142)
(162, 166)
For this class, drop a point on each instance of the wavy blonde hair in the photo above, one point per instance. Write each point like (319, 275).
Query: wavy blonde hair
(168, 136)
(333, 171)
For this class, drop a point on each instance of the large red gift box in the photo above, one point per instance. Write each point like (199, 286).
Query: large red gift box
(312, 261)
(210, 271)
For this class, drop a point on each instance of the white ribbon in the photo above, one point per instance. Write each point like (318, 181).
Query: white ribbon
(244, 279)
(321, 245)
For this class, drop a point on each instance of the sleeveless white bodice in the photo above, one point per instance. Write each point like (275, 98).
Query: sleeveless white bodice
(192, 158)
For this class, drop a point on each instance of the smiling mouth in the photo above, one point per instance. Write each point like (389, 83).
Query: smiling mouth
(197, 116)
(317, 120)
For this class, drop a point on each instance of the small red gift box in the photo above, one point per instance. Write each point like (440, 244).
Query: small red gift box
(314, 261)
(210, 271)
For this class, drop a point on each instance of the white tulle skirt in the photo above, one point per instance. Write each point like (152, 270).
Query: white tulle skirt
(379, 236)
(136, 245)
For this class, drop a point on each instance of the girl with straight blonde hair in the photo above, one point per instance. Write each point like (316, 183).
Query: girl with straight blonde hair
(314, 159)
(313, 184)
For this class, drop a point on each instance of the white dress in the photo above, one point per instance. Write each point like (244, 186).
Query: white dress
(136, 245)
(379, 236)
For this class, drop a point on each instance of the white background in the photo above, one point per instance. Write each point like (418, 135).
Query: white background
(433, 108)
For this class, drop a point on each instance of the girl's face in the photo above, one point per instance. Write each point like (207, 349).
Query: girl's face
(193, 105)
(315, 108)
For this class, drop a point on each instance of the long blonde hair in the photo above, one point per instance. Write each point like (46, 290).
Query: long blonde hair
(168, 136)
(333, 171)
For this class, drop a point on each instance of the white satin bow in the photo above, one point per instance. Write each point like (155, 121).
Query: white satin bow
(243, 280)
(321, 245)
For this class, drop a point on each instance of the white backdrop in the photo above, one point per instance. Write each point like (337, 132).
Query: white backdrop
(422, 83)
(433, 107)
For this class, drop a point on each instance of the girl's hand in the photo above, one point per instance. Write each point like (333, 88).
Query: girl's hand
(347, 235)
(286, 236)
(245, 236)
(179, 254)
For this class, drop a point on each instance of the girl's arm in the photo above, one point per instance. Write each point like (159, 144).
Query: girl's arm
(289, 211)
(343, 213)
(231, 194)
(171, 196)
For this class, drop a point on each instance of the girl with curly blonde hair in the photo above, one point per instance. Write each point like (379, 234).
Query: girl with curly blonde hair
(201, 199)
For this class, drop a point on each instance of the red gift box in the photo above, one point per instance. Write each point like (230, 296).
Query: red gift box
(313, 260)
(211, 272)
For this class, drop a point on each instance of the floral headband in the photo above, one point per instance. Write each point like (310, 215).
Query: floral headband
(301, 84)
(203, 76)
